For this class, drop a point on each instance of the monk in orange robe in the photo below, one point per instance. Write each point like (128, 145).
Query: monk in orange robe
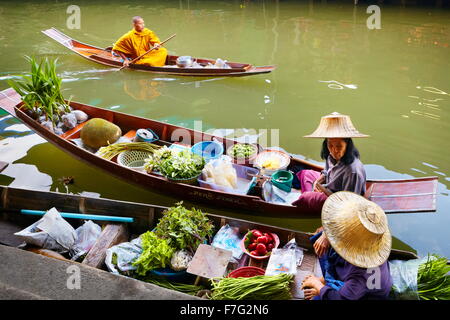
(138, 41)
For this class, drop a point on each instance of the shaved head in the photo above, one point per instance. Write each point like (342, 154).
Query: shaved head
(138, 23)
(136, 19)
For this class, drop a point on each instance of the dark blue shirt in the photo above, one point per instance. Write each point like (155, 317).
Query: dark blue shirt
(359, 283)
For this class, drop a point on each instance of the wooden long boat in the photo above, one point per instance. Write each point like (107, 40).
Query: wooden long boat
(394, 196)
(145, 217)
(107, 58)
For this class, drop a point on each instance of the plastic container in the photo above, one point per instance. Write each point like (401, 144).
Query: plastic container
(208, 149)
(171, 275)
(145, 135)
(277, 243)
(283, 158)
(283, 180)
(244, 180)
(191, 181)
(246, 272)
(133, 159)
(247, 160)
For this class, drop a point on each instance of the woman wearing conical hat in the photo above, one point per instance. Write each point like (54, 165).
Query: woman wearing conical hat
(343, 169)
(356, 266)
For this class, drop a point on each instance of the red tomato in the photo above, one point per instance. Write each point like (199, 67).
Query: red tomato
(254, 253)
(257, 233)
(269, 237)
(251, 246)
(262, 239)
(270, 246)
(261, 247)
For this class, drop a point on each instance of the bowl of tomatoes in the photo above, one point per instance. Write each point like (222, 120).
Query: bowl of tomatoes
(258, 244)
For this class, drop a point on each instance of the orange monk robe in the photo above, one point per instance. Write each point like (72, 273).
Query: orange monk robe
(134, 43)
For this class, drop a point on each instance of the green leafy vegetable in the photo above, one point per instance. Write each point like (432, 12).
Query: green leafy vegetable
(183, 228)
(253, 288)
(243, 150)
(181, 165)
(156, 253)
(433, 280)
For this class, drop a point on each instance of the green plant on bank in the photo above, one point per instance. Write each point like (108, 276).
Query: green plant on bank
(183, 228)
(156, 253)
(254, 288)
(41, 90)
(433, 280)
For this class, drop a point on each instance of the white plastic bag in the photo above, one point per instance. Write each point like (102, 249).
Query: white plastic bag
(125, 253)
(87, 235)
(228, 238)
(404, 278)
(282, 261)
(292, 244)
(50, 232)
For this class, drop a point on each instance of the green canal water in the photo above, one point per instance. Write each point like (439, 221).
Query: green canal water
(394, 82)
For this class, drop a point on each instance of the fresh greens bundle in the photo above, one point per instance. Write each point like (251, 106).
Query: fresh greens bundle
(41, 90)
(183, 228)
(254, 288)
(180, 165)
(433, 280)
(156, 253)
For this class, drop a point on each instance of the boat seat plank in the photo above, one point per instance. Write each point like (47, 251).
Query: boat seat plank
(68, 134)
(111, 235)
(414, 195)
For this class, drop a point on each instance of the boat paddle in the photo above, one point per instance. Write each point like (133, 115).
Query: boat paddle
(136, 59)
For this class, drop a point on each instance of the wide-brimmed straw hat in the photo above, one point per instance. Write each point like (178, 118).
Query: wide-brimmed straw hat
(336, 125)
(357, 229)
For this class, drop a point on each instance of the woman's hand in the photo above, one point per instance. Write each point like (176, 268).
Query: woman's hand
(319, 180)
(321, 245)
(156, 46)
(311, 286)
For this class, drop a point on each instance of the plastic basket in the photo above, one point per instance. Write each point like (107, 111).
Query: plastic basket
(192, 180)
(246, 272)
(133, 159)
(277, 243)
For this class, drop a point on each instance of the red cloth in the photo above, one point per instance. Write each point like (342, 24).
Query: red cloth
(309, 200)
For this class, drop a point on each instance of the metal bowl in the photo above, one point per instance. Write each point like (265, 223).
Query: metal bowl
(184, 61)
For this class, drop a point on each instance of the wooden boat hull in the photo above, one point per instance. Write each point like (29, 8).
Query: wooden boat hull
(145, 215)
(105, 57)
(393, 195)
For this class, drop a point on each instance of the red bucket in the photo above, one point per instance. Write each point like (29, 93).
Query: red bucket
(247, 272)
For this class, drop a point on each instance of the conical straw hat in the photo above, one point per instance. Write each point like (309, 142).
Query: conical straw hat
(336, 125)
(357, 229)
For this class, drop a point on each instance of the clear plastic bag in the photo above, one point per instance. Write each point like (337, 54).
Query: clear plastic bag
(404, 277)
(87, 235)
(124, 254)
(292, 244)
(228, 238)
(282, 261)
(50, 232)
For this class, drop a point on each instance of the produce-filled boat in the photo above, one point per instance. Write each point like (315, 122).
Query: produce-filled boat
(107, 58)
(16, 205)
(404, 195)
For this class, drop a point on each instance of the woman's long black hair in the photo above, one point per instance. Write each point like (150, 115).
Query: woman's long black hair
(351, 153)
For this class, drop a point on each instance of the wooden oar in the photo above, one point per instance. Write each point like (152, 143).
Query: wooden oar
(136, 59)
